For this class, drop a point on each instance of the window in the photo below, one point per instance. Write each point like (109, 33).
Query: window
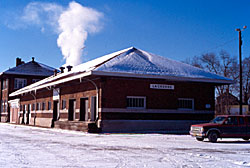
(136, 102)
(185, 104)
(5, 84)
(231, 121)
(33, 107)
(37, 106)
(49, 105)
(5, 105)
(35, 80)
(43, 105)
(218, 120)
(241, 121)
(63, 104)
(20, 83)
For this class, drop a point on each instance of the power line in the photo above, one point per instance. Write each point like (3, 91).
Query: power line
(219, 46)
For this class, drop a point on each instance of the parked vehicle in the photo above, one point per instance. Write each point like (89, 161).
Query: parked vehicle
(223, 126)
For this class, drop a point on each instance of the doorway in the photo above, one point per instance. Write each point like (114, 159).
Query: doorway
(28, 114)
(72, 107)
(55, 110)
(84, 103)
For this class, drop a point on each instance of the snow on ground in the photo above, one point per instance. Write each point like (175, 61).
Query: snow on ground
(25, 146)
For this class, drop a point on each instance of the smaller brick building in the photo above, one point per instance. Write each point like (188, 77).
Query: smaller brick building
(15, 78)
(127, 91)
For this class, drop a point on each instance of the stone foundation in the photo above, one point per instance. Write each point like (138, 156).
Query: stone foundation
(73, 125)
(147, 126)
(4, 119)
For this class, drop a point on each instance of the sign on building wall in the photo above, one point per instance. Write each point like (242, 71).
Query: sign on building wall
(162, 86)
(56, 93)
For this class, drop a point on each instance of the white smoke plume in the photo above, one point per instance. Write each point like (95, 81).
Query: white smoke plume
(75, 23)
(72, 24)
(43, 15)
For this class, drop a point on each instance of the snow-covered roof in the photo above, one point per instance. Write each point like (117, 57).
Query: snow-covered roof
(31, 68)
(131, 62)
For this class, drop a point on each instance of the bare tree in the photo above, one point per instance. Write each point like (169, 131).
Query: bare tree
(246, 79)
(195, 61)
(222, 64)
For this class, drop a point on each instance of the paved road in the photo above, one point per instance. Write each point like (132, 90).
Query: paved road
(24, 146)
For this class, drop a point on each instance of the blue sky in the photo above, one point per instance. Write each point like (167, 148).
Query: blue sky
(174, 29)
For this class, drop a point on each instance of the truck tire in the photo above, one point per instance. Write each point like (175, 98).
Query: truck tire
(199, 139)
(213, 136)
(246, 139)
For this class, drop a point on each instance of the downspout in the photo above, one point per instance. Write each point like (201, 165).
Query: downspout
(34, 96)
(97, 97)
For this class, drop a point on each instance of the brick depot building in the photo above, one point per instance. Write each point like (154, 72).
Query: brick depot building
(15, 78)
(127, 91)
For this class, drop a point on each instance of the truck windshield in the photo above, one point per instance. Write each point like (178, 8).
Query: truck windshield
(218, 120)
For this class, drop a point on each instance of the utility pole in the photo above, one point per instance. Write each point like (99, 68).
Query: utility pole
(240, 62)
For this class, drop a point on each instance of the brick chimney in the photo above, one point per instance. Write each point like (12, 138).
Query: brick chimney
(19, 61)
(33, 59)
(62, 69)
(69, 68)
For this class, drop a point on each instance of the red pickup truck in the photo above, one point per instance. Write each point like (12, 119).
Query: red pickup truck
(223, 126)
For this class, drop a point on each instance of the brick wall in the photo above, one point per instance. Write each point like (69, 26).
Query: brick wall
(5, 93)
(29, 80)
(115, 91)
(112, 95)
(69, 91)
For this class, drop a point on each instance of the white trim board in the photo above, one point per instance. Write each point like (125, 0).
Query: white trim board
(129, 110)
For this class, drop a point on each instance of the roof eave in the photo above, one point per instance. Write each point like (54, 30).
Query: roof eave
(25, 74)
(41, 86)
(172, 78)
(119, 74)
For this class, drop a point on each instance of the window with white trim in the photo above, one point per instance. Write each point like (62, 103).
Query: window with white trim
(5, 84)
(63, 104)
(43, 105)
(37, 106)
(20, 83)
(4, 105)
(49, 105)
(136, 102)
(185, 104)
(33, 107)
